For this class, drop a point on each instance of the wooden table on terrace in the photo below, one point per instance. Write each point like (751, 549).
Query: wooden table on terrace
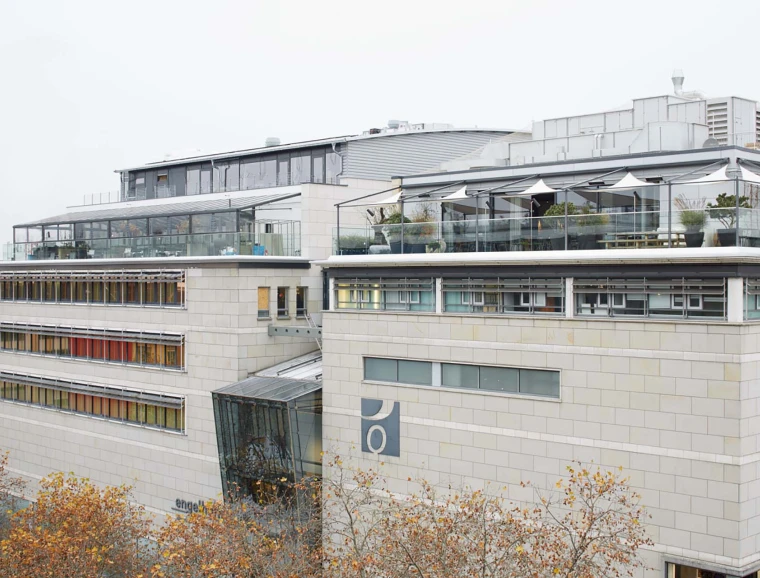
(642, 240)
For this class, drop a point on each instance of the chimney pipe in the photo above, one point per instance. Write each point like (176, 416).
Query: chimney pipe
(677, 79)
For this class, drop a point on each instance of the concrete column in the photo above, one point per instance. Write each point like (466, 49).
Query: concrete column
(438, 295)
(331, 294)
(735, 300)
(569, 298)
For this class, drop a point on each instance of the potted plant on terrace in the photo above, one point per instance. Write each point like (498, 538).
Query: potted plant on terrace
(724, 209)
(554, 222)
(692, 217)
(590, 228)
(352, 245)
(391, 228)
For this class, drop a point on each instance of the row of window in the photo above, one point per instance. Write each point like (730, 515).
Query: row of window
(138, 348)
(283, 302)
(143, 292)
(643, 297)
(539, 382)
(685, 298)
(321, 165)
(114, 404)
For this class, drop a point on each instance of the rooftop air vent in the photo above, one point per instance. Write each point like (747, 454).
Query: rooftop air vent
(711, 142)
(375, 131)
(272, 141)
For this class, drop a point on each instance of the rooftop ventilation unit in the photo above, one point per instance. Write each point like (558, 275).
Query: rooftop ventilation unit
(272, 141)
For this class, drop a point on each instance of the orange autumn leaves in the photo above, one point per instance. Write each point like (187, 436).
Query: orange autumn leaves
(350, 525)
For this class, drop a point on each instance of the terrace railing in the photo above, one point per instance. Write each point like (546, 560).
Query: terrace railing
(596, 231)
(285, 242)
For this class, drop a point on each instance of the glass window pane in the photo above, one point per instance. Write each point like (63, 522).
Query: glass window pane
(453, 375)
(417, 372)
(177, 181)
(205, 178)
(201, 223)
(263, 302)
(535, 382)
(333, 167)
(193, 180)
(226, 176)
(380, 369)
(499, 379)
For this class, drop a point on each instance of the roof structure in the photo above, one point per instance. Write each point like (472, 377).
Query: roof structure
(284, 382)
(196, 206)
(304, 145)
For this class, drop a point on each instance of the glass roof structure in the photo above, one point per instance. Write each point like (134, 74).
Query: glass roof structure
(269, 427)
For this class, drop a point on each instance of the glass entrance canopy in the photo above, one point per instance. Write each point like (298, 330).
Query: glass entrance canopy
(269, 432)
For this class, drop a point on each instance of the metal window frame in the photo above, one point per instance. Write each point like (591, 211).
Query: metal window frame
(403, 285)
(506, 286)
(682, 287)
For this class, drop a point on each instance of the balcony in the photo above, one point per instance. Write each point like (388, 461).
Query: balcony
(281, 239)
(702, 212)
(639, 230)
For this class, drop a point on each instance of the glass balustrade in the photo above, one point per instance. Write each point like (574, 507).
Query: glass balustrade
(283, 240)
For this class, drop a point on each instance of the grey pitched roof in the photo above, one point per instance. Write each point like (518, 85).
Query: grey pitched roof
(199, 205)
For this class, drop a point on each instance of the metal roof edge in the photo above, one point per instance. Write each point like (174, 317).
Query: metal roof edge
(141, 262)
(507, 258)
(612, 158)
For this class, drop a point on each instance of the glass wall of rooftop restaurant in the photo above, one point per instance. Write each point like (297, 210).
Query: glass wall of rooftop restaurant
(236, 232)
(722, 202)
(320, 165)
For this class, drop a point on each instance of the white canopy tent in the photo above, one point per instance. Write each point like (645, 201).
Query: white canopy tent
(460, 194)
(749, 176)
(628, 182)
(539, 188)
(392, 200)
(714, 177)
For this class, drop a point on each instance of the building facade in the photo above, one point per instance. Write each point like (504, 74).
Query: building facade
(119, 320)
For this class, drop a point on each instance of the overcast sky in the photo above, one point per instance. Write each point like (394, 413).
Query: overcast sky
(89, 87)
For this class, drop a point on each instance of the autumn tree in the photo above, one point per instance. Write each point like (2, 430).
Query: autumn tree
(77, 529)
(10, 489)
(589, 526)
(244, 538)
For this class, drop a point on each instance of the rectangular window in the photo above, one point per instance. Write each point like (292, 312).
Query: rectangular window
(142, 348)
(263, 303)
(663, 298)
(302, 301)
(385, 294)
(512, 380)
(131, 406)
(504, 296)
(538, 382)
(378, 369)
(282, 301)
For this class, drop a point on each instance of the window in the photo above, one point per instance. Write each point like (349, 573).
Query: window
(263, 303)
(96, 287)
(398, 371)
(143, 408)
(506, 379)
(385, 294)
(302, 301)
(282, 302)
(504, 296)
(752, 298)
(513, 380)
(671, 298)
(226, 176)
(139, 347)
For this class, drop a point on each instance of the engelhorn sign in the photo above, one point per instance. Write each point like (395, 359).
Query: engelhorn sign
(380, 427)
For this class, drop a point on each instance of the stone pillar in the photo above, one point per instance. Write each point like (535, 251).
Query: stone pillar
(735, 300)
(569, 298)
